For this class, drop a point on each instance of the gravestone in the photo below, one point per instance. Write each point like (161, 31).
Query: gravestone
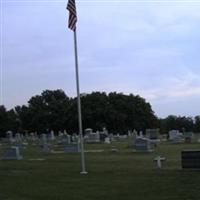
(91, 137)
(135, 135)
(123, 137)
(9, 136)
(70, 148)
(12, 153)
(175, 136)
(188, 137)
(111, 137)
(18, 137)
(88, 131)
(44, 138)
(114, 149)
(65, 132)
(60, 136)
(47, 148)
(52, 136)
(164, 137)
(190, 159)
(66, 139)
(107, 140)
(74, 137)
(116, 137)
(105, 131)
(152, 134)
(33, 137)
(102, 135)
(142, 144)
(159, 160)
(18, 140)
(140, 134)
(129, 133)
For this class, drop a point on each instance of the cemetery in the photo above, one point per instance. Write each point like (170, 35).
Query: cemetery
(47, 166)
(119, 118)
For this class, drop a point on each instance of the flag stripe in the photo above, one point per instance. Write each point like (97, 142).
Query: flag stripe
(71, 7)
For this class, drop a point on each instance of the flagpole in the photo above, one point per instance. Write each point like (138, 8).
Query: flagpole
(79, 107)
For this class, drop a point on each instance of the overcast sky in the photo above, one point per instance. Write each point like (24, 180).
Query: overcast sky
(146, 48)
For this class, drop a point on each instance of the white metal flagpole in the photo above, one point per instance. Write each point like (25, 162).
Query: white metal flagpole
(71, 6)
(79, 107)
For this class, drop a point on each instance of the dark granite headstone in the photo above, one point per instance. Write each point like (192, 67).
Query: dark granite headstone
(190, 159)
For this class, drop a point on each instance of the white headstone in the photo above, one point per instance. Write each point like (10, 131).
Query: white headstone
(105, 131)
(65, 132)
(10, 136)
(141, 134)
(175, 136)
(91, 137)
(18, 137)
(107, 140)
(52, 136)
(159, 161)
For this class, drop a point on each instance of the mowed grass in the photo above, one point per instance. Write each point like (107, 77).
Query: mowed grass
(124, 175)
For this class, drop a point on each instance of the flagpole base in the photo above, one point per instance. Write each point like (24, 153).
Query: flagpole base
(83, 172)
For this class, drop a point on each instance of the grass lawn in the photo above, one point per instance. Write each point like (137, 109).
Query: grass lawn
(124, 175)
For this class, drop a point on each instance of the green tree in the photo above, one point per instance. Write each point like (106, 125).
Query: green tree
(3, 120)
(54, 110)
(197, 124)
(177, 123)
(13, 121)
(24, 117)
(115, 111)
(130, 112)
(94, 111)
(48, 111)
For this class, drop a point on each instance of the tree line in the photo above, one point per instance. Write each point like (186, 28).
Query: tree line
(54, 110)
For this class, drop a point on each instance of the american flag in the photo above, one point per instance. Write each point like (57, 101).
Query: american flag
(71, 6)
